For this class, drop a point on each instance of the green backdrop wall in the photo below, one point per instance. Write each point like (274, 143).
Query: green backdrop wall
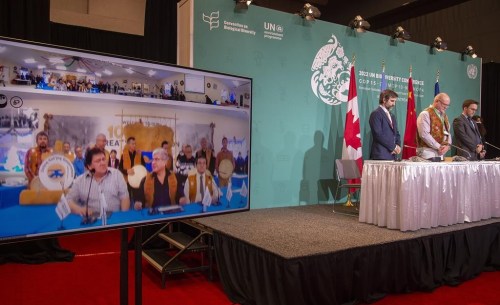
(300, 74)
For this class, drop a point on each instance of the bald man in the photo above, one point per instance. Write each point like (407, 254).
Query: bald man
(433, 127)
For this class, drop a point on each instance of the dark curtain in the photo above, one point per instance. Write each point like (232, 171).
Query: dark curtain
(254, 276)
(490, 106)
(29, 20)
(25, 19)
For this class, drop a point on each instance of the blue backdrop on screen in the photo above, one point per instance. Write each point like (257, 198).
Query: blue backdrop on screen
(300, 71)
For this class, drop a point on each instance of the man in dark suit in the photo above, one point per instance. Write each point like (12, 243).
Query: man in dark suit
(467, 134)
(386, 141)
(113, 160)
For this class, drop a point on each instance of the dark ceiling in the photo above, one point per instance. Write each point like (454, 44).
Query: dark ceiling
(379, 13)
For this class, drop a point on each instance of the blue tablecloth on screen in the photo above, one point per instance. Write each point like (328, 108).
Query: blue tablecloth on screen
(33, 220)
(9, 195)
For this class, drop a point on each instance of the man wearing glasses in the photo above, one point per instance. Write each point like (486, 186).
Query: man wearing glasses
(159, 188)
(467, 134)
(434, 138)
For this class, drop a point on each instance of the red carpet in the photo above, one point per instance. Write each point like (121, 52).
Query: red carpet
(93, 279)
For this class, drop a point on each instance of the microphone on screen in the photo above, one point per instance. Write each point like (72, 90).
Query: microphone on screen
(89, 219)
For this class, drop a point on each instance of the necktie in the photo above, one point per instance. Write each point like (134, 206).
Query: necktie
(202, 189)
(478, 136)
(390, 120)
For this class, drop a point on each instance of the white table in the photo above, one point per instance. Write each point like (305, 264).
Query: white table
(410, 196)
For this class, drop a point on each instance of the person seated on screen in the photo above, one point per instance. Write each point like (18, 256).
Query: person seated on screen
(130, 157)
(113, 160)
(208, 153)
(197, 183)
(185, 164)
(240, 164)
(100, 142)
(208, 100)
(67, 151)
(35, 156)
(164, 145)
(160, 187)
(79, 162)
(104, 179)
(224, 154)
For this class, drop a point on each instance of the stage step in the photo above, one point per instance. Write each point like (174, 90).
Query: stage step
(181, 240)
(169, 261)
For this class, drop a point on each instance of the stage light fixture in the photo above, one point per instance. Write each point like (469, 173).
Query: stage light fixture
(309, 12)
(469, 51)
(242, 4)
(401, 35)
(359, 24)
(439, 45)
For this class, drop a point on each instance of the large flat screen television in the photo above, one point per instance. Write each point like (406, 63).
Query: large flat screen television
(154, 135)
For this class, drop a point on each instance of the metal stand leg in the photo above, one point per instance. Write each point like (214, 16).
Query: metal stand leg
(138, 266)
(124, 268)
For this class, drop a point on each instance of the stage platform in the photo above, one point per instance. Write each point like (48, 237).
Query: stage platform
(309, 255)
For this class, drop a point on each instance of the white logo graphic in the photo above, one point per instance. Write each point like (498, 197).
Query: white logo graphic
(330, 78)
(472, 71)
(56, 172)
(212, 20)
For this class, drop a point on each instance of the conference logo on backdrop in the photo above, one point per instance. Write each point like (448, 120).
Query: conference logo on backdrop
(273, 31)
(212, 19)
(472, 71)
(330, 78)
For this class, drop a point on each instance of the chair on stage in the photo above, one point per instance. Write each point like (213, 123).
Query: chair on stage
(347, 170)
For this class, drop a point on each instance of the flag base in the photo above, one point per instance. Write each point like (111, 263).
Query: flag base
(349, 201)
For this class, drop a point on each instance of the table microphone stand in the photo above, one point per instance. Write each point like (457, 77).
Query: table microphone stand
(89, 219)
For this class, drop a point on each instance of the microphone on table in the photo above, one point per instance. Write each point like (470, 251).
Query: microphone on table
(408, 146)
(461, 149)
(415, 158)
(491, 145)
(88, 219)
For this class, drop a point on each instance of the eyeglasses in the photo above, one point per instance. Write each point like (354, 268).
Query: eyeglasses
(473, 109)
(158, 159)
(445, 105)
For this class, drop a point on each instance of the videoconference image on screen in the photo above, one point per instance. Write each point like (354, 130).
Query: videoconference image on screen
(90, 141)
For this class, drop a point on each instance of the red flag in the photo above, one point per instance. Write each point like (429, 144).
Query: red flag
(351, 148)
(410, 138)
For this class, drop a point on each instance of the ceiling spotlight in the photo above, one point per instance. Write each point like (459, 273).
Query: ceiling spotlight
(309, 12)
(359, 24)
(242, 4)
(439, 44)
(470, 52)
(401, 35)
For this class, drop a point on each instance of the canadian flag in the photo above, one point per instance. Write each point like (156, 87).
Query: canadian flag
(351, 148)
